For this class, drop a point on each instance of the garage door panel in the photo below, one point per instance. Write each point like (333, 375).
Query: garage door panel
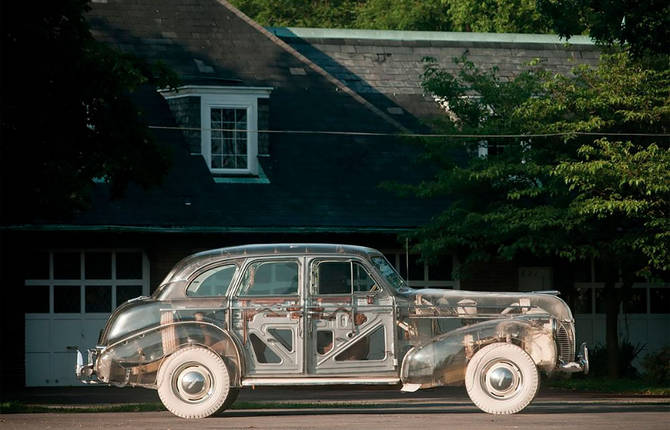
(37, 335)
(65, 332)
(64, 364)
(38, 369)
(91, 331)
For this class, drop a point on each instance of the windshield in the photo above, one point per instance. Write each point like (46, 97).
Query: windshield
(388, 272)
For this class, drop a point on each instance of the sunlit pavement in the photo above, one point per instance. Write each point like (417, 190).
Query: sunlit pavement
(354, 409)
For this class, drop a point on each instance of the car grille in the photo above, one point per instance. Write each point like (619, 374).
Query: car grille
(565, 343)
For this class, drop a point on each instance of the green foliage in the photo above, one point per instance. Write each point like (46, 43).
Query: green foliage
(656, 366)
(642, 24)
(571, 196)
(497, 16)
(518, 16)
(403, 15)
(301, 13)
(67, 114)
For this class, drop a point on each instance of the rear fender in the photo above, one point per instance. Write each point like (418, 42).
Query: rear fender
(443, 359)
(136, 359)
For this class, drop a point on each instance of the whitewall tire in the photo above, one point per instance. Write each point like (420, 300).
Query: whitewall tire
(194, 383)
(501, 378)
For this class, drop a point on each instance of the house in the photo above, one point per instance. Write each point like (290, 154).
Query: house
(320, 113)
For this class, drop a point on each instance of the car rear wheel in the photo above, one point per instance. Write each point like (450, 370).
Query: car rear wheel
(501, 378)
(194, 383)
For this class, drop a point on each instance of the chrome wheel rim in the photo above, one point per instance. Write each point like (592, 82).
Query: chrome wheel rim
(193, 382)
(501, 379)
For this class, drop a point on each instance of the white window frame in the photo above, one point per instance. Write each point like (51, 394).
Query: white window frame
(217, 97)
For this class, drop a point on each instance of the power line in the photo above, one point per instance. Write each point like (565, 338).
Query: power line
(386, 134)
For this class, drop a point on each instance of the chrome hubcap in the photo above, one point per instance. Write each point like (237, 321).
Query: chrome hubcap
(192, 382)
(501, 379)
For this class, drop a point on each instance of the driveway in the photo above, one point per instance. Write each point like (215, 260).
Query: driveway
(355, 409)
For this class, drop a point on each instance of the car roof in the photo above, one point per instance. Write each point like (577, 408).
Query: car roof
(191, 263)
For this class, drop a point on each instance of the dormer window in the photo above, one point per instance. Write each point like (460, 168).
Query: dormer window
(228, 120)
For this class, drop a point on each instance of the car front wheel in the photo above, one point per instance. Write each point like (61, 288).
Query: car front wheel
(194, 383)
(501, 378)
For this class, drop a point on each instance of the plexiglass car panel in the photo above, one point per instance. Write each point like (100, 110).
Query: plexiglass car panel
(323, 313)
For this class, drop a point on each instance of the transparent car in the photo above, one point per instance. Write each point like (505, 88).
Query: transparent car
(320, 314)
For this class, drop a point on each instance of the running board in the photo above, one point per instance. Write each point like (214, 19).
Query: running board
(307, 380)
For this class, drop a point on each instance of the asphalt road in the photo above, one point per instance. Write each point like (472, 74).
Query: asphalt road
(381, 409)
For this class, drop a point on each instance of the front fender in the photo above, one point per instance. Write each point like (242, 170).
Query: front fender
(443, 359)
(135, 360)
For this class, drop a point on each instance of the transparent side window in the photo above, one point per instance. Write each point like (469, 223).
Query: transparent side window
(335, 277)
(213, 282)
(270, 278)
(362, 280)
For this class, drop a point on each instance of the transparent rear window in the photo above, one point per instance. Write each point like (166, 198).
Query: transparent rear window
(214, 282)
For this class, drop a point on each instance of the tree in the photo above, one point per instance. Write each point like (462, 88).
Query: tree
(555, 191)
(67, 113)
(518, 16)
(642, 24)
(497, 16)
(301, 13)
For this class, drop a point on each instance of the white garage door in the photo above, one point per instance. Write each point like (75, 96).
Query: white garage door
(72, 294)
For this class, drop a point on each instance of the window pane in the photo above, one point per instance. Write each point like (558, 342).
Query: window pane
(270, 278)
(217, 146)
(284, 336)
(67, 299)
(98, 298)
(241, 162)
(98, 265)
(217, 162)
(129, 265)
(214, 282)
(127, 292)
(227, 115)
(636, 301)
(263, 353)
(659, 300)
(67, 265)
(38, 265)
(334, 277)
(37, 299)
(371, 347)
(601, 306)
(362, 280)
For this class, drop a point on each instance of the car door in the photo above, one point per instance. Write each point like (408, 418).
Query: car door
(349, 320)
(267, 317)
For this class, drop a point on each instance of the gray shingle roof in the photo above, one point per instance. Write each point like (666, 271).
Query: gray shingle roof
(326, 182)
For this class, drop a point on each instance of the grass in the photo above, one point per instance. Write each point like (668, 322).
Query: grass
(612, 386)
(14, 407)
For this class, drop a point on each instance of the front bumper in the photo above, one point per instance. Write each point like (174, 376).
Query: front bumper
(580, 365)
(86, 372)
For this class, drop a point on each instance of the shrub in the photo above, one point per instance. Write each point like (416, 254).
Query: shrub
(657, 366)
(627, 353)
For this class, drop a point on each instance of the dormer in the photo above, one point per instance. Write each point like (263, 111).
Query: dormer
(221, 123)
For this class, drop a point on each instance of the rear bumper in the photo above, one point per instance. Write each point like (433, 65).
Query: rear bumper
(581, 364)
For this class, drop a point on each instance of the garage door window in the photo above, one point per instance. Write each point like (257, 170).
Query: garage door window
(73, 282)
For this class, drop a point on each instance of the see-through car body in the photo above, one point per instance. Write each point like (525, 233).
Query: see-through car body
(319, 314)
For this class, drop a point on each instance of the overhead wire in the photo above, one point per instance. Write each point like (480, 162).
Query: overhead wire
(426, 135)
